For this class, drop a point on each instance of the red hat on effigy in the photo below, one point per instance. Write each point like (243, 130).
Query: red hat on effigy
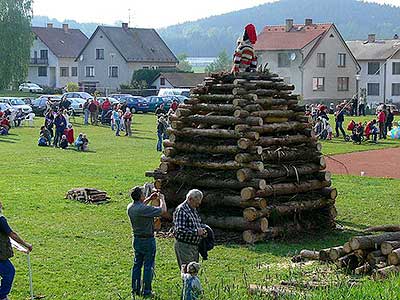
(251, 33)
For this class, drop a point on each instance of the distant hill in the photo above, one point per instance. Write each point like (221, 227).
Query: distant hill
(209, 36)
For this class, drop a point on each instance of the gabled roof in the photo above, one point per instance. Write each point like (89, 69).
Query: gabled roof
(62, 43)
(183, 80)
(277, 38)
(378, 50)
(137, 44)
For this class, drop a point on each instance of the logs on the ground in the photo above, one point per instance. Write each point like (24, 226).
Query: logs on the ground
(88, 195)
(244, 141)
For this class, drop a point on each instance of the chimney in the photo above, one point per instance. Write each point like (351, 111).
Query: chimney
(371, 38)
(125, 26)
(289, 24)
(308, 22)
(396, 37)
(65, 27)
(49, 25)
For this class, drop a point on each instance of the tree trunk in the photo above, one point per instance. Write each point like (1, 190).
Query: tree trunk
(228, 165)
(285, 140)
(394, 257)
(217, 149)
(223, 120)
(265, 102)
(202, 107)
(388, 246)
(284, 189)
(349, 262)
(258, 92)
(336, 252)
(273, 114)
(309, 254)
(235, 223)
(370, 241)
(387, 272)
(373, 261)
(346, 248)
(386, 228)
(212, 133)
(287, 208)
(281, 156)
(363, 270)
(292, 126)
(278, 172)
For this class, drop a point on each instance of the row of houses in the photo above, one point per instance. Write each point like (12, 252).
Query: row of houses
(314, 57)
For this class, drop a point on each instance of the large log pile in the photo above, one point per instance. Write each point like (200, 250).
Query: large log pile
(245, 142)
(88, 195)
(361, 255)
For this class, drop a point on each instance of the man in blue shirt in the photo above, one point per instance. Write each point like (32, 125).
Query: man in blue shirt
(142, 217)
(7, 270)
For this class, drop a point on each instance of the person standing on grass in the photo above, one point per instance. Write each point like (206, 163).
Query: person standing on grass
(128, 122)
(141, 216)
(389, 121)
(96, 112)
(7, 270)
(382, 122)
(105, 107)
(86, 112)
(60, 124)
(339, 119)
(161, 131)
(188, 229)
(117, 121)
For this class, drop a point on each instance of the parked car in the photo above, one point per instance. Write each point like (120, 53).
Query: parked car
(16, 104)
(39, 105)
(119, 96)
(5, 106)
(30, 87)
(393, 107)
(136, 103)
(76, 106)
(78, 95)
(113, 101)
(154, 102)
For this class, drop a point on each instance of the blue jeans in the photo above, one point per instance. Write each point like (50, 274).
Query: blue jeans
(117, 126)
(86, 117)
(160, 140)
(145, 253)
(7, 273)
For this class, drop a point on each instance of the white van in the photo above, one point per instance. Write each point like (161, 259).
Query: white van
(173, 92)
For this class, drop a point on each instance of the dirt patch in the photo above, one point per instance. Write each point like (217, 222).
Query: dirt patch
(376, 163)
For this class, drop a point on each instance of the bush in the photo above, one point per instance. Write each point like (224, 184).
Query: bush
(51, 91)
(72, 87)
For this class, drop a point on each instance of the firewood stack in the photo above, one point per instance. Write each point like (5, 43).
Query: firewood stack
(246, 143)
(373, 254)
(88, 195)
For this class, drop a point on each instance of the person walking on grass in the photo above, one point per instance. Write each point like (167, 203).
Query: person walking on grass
(339, 119)
(7, 270)
(188, 229)
(141, 216)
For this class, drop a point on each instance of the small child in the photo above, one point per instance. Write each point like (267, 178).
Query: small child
(69, 132)
(85, 143)
(192, 289)
(329, 130)
(64, 142)
(79, 142)
(42, 141)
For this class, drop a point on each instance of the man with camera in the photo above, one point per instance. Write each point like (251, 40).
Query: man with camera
(142, 217)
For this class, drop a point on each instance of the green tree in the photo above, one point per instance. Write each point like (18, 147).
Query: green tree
(221, 63)
(72, 87)
(15, 41)
(184, 64)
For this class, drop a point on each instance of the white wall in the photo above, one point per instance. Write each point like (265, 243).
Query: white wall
(68, 63)
(365, 78)
(157, 84)
(390, 78)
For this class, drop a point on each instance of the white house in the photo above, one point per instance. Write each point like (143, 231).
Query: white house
(313, 57)
(177, 80)
(53, 55)
(379, 78)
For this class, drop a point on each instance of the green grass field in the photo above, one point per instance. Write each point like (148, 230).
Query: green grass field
(84, 252)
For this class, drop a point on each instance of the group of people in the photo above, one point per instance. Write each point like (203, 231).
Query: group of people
(192, 238)
(59, 132)
(163, 122)
(9, 119)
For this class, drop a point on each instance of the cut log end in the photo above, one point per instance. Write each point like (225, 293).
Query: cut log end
(248, 193)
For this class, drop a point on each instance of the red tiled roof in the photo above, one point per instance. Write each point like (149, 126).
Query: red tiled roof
(276, 37)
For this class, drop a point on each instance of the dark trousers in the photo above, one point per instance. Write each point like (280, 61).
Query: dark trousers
(7, 273)
(57, 137)
(339, 125)
(361, 110)
(145, 254)
(382, 134)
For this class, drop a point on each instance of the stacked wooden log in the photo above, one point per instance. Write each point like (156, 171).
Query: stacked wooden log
(245, 142)
(373, 254)
(87, 195)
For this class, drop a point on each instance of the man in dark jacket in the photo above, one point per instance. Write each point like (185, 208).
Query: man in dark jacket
(7, 270)
(60, 124)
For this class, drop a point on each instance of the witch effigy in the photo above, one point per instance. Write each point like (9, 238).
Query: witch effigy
(245, 59)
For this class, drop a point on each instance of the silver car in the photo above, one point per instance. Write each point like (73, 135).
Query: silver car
(16, 104)
(76, 105)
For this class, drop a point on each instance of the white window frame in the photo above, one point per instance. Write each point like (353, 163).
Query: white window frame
(343, 84)
(323, 60)
(342, 62)
(67, 74)
(94, 71)
(110, 71)
(287, 61)
(316, 84)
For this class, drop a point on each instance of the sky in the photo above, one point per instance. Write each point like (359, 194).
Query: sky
(155, 14)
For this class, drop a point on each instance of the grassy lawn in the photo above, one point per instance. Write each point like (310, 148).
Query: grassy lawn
(84, 252)
(18, 94)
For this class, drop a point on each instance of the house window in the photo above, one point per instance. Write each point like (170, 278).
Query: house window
(318, 83)
(343, 84)
(396, 68)
(342, 60)
(100, 54)
(64, 72)
(283, 60)
(44, 54)
(373, 89)
(162, 81)
(395, 89)
(74, 71)
(373, 68)
(89, 71)
(113, 71)
(42, 71)
(321, 60)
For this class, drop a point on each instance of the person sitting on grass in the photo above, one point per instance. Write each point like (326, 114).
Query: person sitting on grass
(357, 133)
(42, 141)
(5, 123)
(46, 133)
(18, 118)
(85, 142)
(192, 289)
(371, 129)
(79, 142)
(64, 142)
